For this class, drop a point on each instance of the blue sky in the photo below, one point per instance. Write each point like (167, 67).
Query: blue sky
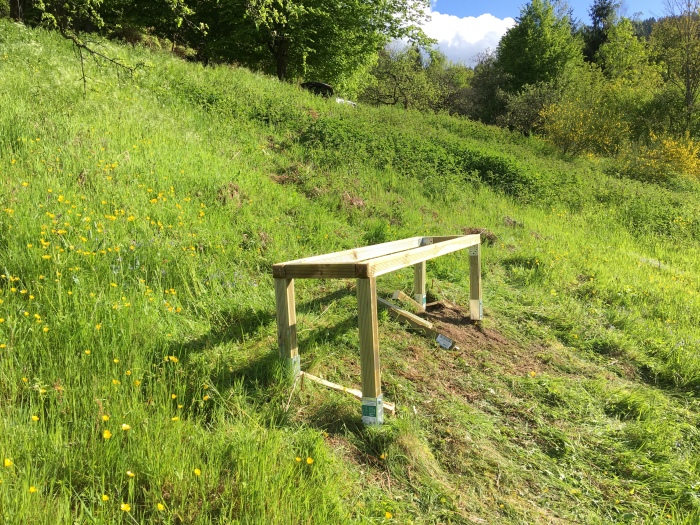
(465, 28)
(511, 8)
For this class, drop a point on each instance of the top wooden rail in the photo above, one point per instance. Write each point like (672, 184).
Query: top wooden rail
(373, 261)
(366, 264)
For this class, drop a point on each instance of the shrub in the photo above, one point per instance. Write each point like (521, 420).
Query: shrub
(661, 159)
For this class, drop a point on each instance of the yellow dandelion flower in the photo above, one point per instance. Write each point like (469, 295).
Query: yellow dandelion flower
(206, 398)
(106, 434)
(7, 462)
(173, 396)
(87, 352)
(125, 507)
(32, 489)
(197, 472)
(116, 361)
(116, 382)
(98, 327)
(175, 418)
(309, 461)
(105, 497)
(126, 427)
(388, 515)
(297, 459)
(105, 417)
(42, 390)
(130, 474)
(128, 372)
(160, 507)
(137, 382)
(35, 418)
(46, 329)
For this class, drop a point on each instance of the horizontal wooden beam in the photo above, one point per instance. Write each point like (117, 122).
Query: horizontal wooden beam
(319, 270)
(362, 254)
(396, 261)
(352, 391)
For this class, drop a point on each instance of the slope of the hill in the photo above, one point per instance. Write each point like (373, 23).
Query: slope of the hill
(139, 380)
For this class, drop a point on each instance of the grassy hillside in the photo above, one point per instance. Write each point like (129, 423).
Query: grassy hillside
(138, 373)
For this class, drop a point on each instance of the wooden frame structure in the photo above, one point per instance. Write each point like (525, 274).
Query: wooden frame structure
(365, 265)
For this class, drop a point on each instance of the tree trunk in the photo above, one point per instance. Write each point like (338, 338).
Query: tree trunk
(279, 48)
(17, 8)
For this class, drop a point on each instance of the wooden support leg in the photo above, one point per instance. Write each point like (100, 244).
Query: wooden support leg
(419, 283)
(476, 305)
(372, 399)
(287, 325)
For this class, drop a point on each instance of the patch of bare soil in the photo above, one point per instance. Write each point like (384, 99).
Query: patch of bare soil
(478, 344)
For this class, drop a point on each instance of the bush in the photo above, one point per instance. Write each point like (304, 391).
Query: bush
(661, 159)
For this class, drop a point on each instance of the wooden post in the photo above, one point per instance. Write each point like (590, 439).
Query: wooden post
(476, 305)
(419, 284)
(287, 325)
(372, 401)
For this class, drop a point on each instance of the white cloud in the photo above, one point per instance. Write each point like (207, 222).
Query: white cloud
(462, 39)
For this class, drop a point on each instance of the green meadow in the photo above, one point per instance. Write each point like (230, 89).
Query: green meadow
(139, 380)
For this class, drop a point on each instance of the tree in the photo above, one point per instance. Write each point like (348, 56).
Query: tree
(485, 98)
(417, 78)
(603, 15)
(400, 78)
(539, 48)
(676, 43)
(623, 55)
(316, 39)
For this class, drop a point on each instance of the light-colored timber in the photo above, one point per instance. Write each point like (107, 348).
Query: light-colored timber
(352, 391)
(369, 337)
(476, 305)
(287, 323)
(373, 261)
(403, 315)
(396, 261)
(419, 323)
(400, 296)
(345, 260)
(419, 285)
(366, 264)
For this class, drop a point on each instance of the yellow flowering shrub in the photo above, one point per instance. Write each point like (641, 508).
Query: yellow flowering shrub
(661, 158)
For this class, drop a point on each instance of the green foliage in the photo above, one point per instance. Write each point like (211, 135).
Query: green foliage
(540, 48)
(485, 98)
(327, 41)
(661, 159)
(603, 15)
(524, 110)
(414, 78)
(676, 44)
(623, 55)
